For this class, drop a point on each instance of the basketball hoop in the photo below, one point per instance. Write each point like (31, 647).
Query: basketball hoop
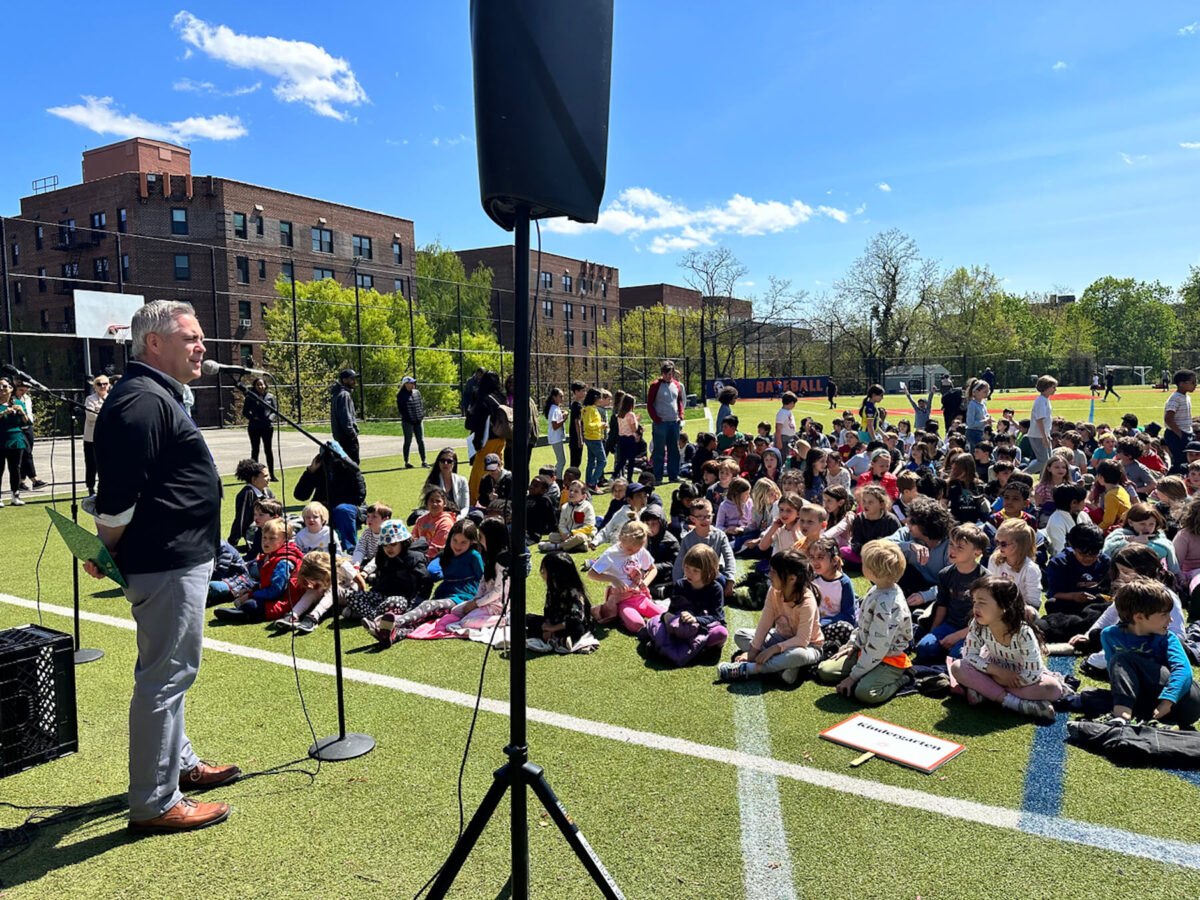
(119, 333)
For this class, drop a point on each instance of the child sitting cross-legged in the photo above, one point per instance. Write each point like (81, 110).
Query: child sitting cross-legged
(274, 569)
(367, 544)
(788, 636)
(567, 615)
(576, 522)
(836, 604)
(628, 569)
(812, 519)
(398, 576)
(315, 533)
(315, 582)
(1016, 547)
(872, 666)
(474, 608)
(703, 532)
(1002, 658)
(695, 621)
(952, 609)
(433, 526)
(782, 533)
(874, 522)
(1147, 666)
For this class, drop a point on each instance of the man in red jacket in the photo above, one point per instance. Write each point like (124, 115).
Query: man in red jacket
(664, 402)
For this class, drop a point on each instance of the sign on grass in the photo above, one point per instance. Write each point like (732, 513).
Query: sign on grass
(914, 749)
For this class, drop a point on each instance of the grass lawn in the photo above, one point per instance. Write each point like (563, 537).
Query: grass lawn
(667, 825)
(453, 428)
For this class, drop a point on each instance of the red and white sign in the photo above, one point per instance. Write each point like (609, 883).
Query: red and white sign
(914, 749)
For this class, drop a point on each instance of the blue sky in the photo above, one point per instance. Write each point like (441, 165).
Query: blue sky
(1046, 141)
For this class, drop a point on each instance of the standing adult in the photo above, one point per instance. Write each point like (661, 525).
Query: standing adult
(480, 420)
(12, 440)
(952, 398)
(24, 399)
(260, 422)
(92, 405)
(664, 402)
(1110, 379)
(1177, 417)
(412, 413)
(831, 391)
(158, 511)
(342, 417)
(470, 389)
(990, 377)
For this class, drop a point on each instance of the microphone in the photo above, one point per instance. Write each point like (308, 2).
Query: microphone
(212, 367)
(13, 372)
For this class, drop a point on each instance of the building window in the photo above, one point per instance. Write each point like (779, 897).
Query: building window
(243, 269)
(366, 282)
(239, 225)
(45, 317)
(604, 289)
(263, 311)
(16, 254)
(70, 270)
(66, 231)
(100, 268)
(568, 311)
(262, 268)
(16, 292)
(397, 253)
(285, 269)
(183, 267)
(567, 283)
(243, 310)
(362, 246)
(247, 354)
(547, 309)
(604, 314)
(547, 281)
(285, 234)
(569, 335)
(583, 312)
(398, 284)
(258, 225)
(584, 339)
(319, 274)
(42, 280)
(179, 221)
(122, 220)
(99, 220)
(322, 240)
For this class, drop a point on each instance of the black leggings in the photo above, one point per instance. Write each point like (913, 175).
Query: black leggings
(12, 456)
(263, 435)
(89, 465)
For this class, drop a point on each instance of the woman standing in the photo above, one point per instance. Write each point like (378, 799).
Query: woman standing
(95, 400)
(412, 413)
(12, 440)
(480, 419)
(445, 475)
(260, 422)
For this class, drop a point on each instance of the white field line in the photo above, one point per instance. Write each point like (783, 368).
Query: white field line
(1102, 837)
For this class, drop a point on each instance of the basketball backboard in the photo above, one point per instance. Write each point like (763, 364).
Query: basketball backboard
(95, 311)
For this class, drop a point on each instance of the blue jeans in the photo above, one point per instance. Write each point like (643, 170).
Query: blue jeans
(929, 648)
(345, 523)
(666, 436)
(974, 436)
(595, 461)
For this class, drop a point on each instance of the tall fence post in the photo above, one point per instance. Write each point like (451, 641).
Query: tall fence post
(8, 323)
(412, 338)
(461, 381)
(296, 345)
(645, 359)
(362, 379)
(212, 273)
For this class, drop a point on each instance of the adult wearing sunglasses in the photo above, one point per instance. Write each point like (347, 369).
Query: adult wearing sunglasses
(101, 385)
(444, 474)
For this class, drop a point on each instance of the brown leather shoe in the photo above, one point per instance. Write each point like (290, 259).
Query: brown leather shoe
(186, 815)
(205, 776)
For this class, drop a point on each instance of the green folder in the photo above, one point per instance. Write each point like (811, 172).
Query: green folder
(86, 546)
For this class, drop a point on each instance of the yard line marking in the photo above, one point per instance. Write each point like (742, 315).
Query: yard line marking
(1046, 769)
(1117, 840)
(766, 858)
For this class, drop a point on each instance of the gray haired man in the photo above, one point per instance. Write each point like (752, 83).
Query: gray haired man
(158, 511)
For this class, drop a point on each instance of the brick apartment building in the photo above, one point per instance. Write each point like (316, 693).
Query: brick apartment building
(574, 297)
(672, 296)
(142, 223)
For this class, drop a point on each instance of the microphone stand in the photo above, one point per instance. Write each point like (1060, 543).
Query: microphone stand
(343, 745)
(82, 654)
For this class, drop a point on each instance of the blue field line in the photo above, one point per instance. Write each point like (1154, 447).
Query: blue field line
(1192, 777)
(1047, 764)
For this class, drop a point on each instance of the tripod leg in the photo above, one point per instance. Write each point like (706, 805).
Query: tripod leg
(542, 790)
(464, 845)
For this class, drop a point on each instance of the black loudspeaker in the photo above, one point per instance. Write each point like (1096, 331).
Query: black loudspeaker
(542, 74)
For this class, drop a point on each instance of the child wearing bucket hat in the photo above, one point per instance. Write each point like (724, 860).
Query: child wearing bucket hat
(398, 575)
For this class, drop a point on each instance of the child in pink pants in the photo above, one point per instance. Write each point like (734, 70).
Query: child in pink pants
(627, 568)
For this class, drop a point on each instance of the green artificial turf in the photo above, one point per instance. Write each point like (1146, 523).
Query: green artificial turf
(665, 825)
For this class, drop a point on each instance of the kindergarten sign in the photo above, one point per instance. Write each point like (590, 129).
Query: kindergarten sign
(771, 388)
(914, 749)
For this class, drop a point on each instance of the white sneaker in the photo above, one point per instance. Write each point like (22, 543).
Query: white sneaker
(1, 503)
(17, 501)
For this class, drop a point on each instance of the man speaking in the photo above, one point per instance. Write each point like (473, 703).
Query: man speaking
(158, 511)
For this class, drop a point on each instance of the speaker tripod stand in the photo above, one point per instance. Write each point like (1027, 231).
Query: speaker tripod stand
(519, 773)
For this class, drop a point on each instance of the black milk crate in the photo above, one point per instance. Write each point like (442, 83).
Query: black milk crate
(37, 697)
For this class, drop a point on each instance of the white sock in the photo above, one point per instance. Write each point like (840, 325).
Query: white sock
(1011, 701)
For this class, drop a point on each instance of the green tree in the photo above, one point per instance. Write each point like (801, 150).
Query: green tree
(1133, 320)
(442, 283)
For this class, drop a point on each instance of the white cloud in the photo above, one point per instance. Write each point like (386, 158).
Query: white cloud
(437, 107)
(640, 210)
(207, 87)
(885, 187)
(1190, 145)
(101, 116)
(860, 209)
(1059, 66)
(306, 73)
(1131, 160)
(1189, 30)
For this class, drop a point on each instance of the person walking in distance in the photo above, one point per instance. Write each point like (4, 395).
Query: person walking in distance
(831, 392)
(342, 417)
(260, 422)
(664, 402)
(158, 511)
(1110, 378)
(412, 413)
